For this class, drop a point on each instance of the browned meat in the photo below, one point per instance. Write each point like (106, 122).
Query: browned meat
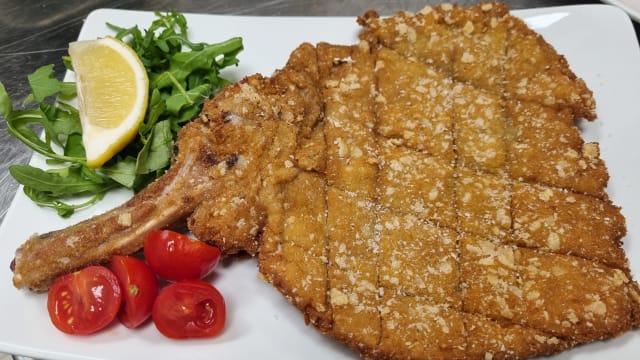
(424, 194)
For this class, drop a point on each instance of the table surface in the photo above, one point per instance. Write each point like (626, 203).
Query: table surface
(34, 33)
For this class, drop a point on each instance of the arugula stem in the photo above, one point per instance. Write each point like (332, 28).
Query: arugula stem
(37, 147)
(179, 87)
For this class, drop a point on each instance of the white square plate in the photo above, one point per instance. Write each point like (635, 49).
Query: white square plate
(632, 7)
(600, 45)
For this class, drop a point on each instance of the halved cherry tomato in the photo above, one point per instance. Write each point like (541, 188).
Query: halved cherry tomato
(175, 256)
(139, 289)
(189, 309)
(85, 301)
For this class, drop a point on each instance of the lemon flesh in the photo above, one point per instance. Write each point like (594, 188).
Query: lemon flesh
(113, 88)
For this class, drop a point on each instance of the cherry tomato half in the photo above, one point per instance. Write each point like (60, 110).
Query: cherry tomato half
(189, 309)
(85, 301)
(175, 256)
(139, 287)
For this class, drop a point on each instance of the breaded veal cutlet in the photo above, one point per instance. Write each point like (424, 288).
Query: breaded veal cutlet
(423, 194)
(458, 200)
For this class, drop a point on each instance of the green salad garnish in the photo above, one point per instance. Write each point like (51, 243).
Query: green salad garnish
(182, 74)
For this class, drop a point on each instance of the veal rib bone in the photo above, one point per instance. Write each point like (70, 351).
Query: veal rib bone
(121, 230)
(215, 177)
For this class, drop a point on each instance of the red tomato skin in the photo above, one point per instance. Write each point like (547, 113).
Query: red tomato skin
(175, 257)
(189, 309)
(139, 287)
(85, 301)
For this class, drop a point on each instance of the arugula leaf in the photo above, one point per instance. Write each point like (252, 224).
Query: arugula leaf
(182, 99)
(157, 107)
(18, 125)
(48, 188)
(6, 107)
(156, 154)
(122, 171)
(64, 210)
(67, 91)
(186, 63)
(68, 181)
(42, 83)
(65, 119)
(73, 146)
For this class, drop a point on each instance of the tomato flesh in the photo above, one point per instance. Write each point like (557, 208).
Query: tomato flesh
(176, 257)
(189, 309)
(85, 301)
(139, 287)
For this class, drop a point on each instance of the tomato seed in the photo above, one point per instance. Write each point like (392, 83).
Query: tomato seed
(207, 315)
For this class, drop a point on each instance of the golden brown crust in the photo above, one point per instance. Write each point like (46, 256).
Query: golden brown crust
(536, 156)
(487, 47)
(276, 111)
(568, 223)
(492, 339)
(458, 200)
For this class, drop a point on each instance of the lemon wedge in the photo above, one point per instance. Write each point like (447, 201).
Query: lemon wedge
(113, 88)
